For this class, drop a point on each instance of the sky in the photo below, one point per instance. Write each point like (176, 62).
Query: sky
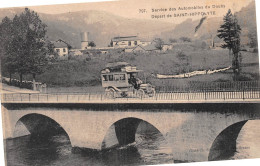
(131, 8)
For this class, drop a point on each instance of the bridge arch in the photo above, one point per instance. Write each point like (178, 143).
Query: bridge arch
(224, 144)
(123, 131)
(38, 125)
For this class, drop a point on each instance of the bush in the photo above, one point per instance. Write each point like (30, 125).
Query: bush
(244, 78)
(201, 45)
(132, 58)
(255, 50)
(181, 55)
(15, 82)
(185, 39)
(173, 40)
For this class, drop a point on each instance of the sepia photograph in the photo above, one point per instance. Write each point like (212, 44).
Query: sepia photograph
(129, 82)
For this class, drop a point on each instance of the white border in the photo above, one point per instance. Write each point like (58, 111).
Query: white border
(17, 3)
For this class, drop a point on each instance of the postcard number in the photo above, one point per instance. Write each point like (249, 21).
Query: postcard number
(142, 11)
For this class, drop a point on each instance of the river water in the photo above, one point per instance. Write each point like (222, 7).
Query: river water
(149, 148)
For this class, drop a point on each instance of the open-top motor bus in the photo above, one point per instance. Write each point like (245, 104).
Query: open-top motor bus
(120, 79)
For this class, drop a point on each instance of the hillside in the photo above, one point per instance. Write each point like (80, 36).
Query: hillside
(248, 25)
(187, 29)
(82, 72)
(102, 26)
(211, 25)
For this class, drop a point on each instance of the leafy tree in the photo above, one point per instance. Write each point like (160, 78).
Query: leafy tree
(91, 44)
(17, 47)
(159, 43)
(8, 61)
(26, 48)
(185, 61)
(230, 32)
(34, 32)
(51, 53)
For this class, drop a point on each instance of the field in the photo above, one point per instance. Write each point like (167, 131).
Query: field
(85, 72)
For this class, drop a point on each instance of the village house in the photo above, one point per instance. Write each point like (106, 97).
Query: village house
(75, 52)
(149, 48)
(145, 43)
(167, 46)
(127, 41)
(61, 48)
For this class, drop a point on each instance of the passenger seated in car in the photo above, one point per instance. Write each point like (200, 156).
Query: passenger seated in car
(136, 82)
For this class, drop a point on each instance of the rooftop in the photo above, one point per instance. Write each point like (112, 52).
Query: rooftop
(59, 44)
(125, 38)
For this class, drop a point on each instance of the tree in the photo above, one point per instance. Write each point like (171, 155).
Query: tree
(230, 32)
(52, 55)
(225, 31)
(17, 47)
(8, 61)
(185, 61)
(158, 43)
(26, 48)
(237, 58)
(33, 33)
(91, 44)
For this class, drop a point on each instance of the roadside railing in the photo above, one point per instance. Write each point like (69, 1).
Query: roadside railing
(196, 91)
(197, 86)
(102, 97)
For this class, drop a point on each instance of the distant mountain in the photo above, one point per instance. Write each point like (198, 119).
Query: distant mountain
(102, 26)
(187, 29)
(246, 18)
(10, 12)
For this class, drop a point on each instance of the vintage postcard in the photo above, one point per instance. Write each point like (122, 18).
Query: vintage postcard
(137, 82)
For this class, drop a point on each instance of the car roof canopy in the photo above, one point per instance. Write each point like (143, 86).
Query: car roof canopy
(120, 67)
(117, 65)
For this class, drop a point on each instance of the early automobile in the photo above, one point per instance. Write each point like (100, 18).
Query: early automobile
(120, 80)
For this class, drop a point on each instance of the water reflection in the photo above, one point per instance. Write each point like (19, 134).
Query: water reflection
(30, 150)
(150, 148)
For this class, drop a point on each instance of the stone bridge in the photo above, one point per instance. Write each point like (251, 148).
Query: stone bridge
(195, 131)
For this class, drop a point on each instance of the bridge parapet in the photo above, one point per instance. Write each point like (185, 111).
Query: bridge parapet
(190, 129)
(160, 97)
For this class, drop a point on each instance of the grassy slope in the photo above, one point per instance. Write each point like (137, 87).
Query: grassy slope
(80, 73)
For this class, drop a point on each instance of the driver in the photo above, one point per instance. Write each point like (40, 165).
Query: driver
(136, 82)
